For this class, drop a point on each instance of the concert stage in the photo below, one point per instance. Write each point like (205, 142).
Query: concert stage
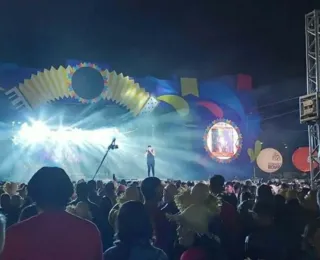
(67, 116)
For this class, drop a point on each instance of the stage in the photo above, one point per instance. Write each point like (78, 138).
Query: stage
(67, 117)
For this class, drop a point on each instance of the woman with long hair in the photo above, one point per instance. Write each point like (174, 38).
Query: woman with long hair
(134, 234)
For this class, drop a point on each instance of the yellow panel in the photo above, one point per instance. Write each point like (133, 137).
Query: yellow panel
(140, 100)
(28, 95)
(62, 82)
(52, 84)
(181, 106)
(36, 95)
(113, 82)
(189, 86)
(48, 79)
(41, 78)
(42, 92)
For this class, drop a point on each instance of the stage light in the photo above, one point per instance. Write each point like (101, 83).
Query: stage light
(37, 132)
(34, 133)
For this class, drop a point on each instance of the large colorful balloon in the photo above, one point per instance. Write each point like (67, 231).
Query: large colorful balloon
(269, 160)
(301, 159)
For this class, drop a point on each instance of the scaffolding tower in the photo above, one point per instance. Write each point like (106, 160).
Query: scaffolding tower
(309, 104)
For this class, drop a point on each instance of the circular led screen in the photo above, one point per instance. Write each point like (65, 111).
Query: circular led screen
(87, 82)
(223, 141)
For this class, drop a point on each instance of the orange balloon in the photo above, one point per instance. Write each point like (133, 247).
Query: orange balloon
(301, 160)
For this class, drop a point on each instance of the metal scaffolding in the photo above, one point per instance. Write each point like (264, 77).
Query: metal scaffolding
(309, 104)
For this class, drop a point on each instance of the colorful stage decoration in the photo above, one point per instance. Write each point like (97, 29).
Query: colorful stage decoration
(189, 86)
(223, 141)
(253, 153)
(269, 160)
(95, 92)
(212, 107)
(197, 103)
(55, 84)
(178, 103)
(301, 159)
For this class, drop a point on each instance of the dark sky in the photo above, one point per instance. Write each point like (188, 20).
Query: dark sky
(201, 38)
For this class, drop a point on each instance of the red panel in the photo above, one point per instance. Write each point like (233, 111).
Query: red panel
(244, 82)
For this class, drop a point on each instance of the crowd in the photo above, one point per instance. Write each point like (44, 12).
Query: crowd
(53, 218)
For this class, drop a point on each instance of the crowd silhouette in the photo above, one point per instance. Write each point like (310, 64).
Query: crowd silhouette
(53, 218)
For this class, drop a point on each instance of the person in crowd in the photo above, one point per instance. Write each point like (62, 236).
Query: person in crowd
(318, 199)
(8, 210)
(264, 193)
(23, 193)
(265, 242)
(169, 193)
(15, 210)
(170, 207)
(131, 193)
(291, 220)
(82, 192)
(244, 210)
(197, 207)
(311, 241)
(120, 190)
(81, 209)
(310, 205)
(134, 237)
(5, 201)
(106, 229)
(229, 194)
(110, 192)
(10, 188)
(28, 212)
(228, 225)
(2, 232)
(54, 233)
(152, 191)
(92, 192)
(100, 185)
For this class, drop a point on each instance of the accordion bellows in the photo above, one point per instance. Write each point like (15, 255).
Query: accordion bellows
(51, 85)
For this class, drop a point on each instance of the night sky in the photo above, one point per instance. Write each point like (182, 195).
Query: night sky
(203, 38)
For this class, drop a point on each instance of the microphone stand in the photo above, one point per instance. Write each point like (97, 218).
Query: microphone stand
(110, 147)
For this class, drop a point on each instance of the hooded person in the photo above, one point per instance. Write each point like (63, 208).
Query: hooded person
(53, 233)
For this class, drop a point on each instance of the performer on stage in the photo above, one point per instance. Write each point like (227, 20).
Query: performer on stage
(150, 154)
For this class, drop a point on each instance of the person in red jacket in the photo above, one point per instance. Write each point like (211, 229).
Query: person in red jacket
(53, 233)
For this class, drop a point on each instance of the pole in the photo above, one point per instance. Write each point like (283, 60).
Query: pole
(104, 157)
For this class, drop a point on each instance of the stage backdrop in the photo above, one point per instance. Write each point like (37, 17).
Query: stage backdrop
(220, 112)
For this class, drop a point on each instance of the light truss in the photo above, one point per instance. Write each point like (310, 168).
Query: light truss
(309, 104)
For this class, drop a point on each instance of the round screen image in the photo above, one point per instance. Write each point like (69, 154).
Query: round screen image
(87, 82)
(223, 141)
